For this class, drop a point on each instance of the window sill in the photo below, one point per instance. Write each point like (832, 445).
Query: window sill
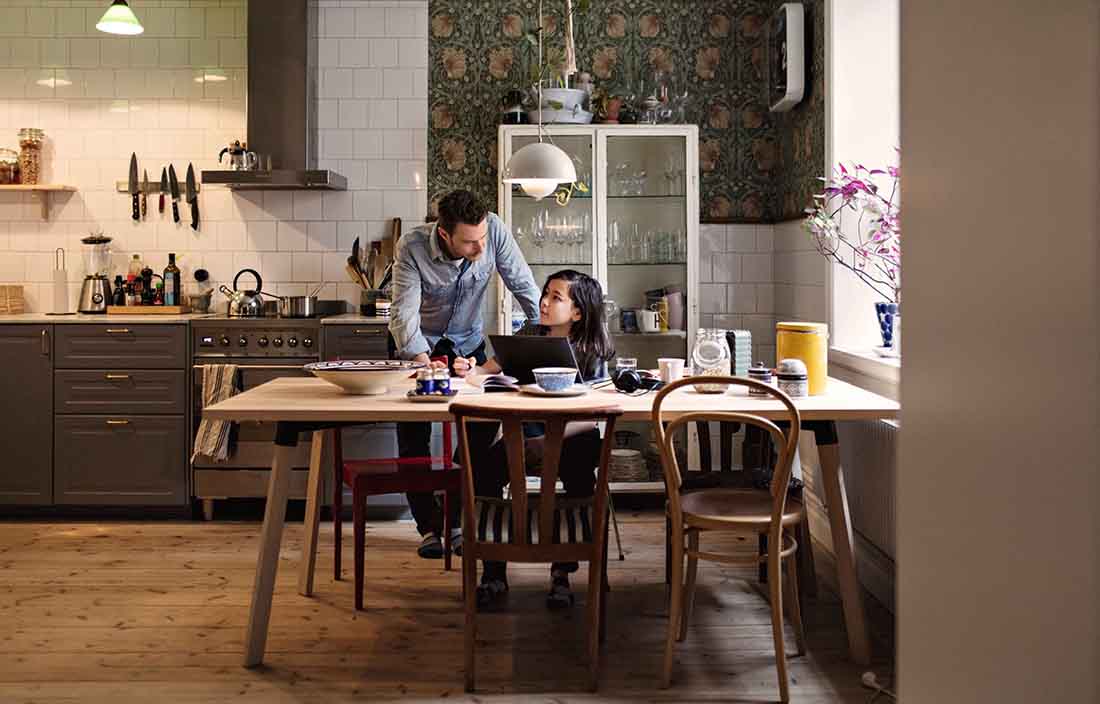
(866, 370)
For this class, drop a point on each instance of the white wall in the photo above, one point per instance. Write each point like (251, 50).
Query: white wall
(999, 559)
(140, 95)
(861, 57)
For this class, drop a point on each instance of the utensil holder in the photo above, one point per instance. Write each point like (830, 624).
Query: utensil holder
(368, 297)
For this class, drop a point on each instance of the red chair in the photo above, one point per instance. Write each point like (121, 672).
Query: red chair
(389, 475)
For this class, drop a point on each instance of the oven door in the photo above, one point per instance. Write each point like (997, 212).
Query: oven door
(246, 471)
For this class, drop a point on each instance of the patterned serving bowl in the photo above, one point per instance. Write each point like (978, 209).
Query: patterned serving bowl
(364, 377)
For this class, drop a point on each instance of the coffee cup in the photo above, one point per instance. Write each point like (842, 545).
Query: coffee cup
(647, 321)
(672, 368)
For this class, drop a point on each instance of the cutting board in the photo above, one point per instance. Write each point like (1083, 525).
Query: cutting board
(147, 310)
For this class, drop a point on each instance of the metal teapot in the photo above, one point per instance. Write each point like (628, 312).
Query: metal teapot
(240, 159)
(247, 303)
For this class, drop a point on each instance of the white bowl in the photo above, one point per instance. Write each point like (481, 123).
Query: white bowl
(365, 377)
(554, 379)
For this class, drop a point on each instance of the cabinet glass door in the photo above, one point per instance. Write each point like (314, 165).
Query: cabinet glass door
(553, 234)
(647, 183)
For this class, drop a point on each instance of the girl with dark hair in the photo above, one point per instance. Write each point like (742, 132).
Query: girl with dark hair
(571, 306)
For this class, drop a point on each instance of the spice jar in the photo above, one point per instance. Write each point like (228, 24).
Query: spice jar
(710, 357)
(442, 382)
(792, 377)
(760, 372)
(9, 167)
(30, 154)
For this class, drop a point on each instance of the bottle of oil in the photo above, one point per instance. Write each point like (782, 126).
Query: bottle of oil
(172, 282)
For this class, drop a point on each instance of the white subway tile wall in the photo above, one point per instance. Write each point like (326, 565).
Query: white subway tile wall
(101, 97)
(799, 276)
(735, 291)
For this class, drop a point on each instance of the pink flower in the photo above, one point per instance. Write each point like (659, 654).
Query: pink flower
(616, 25)
(706, 62)
(649, 26)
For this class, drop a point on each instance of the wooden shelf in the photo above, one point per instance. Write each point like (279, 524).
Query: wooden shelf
(668, 333)
(44, 188)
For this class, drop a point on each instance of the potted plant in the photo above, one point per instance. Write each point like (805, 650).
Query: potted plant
(870, 248)
(560, 103)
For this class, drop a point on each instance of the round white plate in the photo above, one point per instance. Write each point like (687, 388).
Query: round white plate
(536, 390)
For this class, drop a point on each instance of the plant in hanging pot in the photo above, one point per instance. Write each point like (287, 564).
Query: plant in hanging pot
(868, 244)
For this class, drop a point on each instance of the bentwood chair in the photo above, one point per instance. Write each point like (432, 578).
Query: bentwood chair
(552, 529)
(764, 512)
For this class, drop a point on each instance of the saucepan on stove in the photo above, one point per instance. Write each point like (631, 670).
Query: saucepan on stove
(247, 303)
(299, 306)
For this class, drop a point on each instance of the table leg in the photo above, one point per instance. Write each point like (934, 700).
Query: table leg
(270, 539)
(312, 517)
(840, 526)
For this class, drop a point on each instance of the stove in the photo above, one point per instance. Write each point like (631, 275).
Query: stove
(264, 349)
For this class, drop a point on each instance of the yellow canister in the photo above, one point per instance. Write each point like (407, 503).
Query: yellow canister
(808, 342)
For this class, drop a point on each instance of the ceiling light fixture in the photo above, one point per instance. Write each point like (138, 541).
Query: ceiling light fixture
(539, 167)
(119, 19)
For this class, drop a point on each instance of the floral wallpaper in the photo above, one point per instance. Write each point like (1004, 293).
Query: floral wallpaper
(713, 49)
(801, 132)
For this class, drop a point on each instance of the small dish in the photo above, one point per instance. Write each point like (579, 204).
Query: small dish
(431, 398)
(536, 390)
(554, 378)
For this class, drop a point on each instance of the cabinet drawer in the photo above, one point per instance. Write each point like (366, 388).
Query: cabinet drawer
(356, 342)
(120, 460)
(153, 391)
(121, 346)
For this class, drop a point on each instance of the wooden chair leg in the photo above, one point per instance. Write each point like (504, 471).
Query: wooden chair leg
(359, 527)
(794, 608)
(446, 531)
(675, 600)
(469, 593)
(595, 597)
(689, 590)
(337, 501)
(807, 575)
(605, 587)
(775, 589)
(762, 550)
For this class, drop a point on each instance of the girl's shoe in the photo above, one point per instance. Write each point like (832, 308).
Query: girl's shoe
(490, 594)
(431, 547)
(456, 542)
(560, 595)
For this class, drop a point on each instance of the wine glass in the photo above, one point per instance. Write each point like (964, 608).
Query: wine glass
(538, 234)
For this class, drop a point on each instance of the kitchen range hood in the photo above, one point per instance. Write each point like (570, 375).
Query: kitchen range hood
(282, 101)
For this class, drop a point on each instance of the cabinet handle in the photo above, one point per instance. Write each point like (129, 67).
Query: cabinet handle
(116, 377)
(117, 331)
(45, 342)
(118, 422)
(374, 333)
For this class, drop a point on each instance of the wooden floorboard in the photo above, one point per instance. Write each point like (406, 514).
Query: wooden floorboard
(137, 612)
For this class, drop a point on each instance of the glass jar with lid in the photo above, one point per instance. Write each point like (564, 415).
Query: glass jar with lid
(30, 154)
(710, 356)
(9, 167)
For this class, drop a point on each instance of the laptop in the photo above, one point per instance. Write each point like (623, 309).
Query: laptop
(519, 354)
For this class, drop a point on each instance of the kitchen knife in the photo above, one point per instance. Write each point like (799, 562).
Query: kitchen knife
(174, 187)
(163, 188)
(144, 192)
(134, 185)
(192, 196)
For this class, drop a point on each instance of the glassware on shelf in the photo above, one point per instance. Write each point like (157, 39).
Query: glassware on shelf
(30, 155)
(710, 356)
(611, 316)
(614, 243)
(538, 236)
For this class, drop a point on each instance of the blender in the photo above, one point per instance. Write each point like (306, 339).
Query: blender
(95, 294)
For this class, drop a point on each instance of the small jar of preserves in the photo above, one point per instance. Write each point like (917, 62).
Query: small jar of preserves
(442, 382)
(425, 382)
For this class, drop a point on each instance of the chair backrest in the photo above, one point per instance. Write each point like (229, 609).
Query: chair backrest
(512, 411)
(664, 426)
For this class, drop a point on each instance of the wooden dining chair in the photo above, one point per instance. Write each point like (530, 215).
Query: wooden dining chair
(552, 529)
(767, 512)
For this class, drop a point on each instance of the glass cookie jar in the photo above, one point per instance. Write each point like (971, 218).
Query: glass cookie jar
(30, 154)
(710, 356)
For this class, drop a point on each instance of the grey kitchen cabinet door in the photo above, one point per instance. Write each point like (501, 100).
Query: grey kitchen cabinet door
(356, 342)
(26, 414)
(120, 460)
(110, 346)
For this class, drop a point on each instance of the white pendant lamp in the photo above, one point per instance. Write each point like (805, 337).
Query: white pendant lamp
(538, 168)
(119, 19)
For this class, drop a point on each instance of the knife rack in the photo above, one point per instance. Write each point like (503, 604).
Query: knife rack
(154, 187)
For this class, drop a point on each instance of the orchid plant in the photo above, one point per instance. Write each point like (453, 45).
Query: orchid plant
(872, 249)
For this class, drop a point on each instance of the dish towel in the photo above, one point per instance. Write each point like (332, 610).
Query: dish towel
(219, 382)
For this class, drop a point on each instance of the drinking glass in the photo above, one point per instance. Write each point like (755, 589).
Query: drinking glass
(623, 364)
(614, 243)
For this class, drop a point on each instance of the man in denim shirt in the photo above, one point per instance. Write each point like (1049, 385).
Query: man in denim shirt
(440, 275)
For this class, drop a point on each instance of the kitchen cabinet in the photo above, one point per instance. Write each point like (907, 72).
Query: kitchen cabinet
(26, 414)
(141, 346)
(120, 460)
(636, 229)
(356, 342)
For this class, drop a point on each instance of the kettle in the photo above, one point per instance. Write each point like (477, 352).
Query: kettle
(240, 159)
(244, 304)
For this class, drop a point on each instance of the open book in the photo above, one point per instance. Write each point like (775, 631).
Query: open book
(499, 382)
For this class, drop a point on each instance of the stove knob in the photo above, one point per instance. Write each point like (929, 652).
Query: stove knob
(278, 342)
(224, 341)
(262, 342)
(307, 342)
(242, 341)
(292, 341)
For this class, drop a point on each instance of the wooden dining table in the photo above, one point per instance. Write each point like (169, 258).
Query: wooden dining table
(299, 405)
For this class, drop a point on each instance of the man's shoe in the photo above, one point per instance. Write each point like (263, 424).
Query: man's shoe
(431, 547)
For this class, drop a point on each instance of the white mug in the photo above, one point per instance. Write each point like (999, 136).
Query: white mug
(647, 321)
(672, 368)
